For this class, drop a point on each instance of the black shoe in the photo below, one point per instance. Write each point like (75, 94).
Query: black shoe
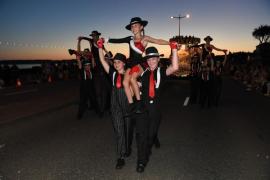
(157, 143)
(120, 163)
(140, 168)
(139, 109)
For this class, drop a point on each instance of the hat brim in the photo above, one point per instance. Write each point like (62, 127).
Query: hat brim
(150, 56)
(110, 58)
(98, 34)
(143, 23)
(211, 39)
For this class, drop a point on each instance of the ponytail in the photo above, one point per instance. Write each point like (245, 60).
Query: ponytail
(143, 32)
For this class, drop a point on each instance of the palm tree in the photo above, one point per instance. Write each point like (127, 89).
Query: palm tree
(262, 33)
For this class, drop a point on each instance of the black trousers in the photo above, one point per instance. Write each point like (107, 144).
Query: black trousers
(194, 89)
(154, 119)
(121, 122)
(142, 134)
(102, 91)
(217, 90)
(87, 96)
(206, 93)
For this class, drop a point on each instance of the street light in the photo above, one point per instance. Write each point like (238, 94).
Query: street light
(179, 18)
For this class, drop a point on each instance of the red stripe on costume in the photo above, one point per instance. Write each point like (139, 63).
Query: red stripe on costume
(140, 46)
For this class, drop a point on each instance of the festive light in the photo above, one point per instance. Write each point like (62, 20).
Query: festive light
(12, 44)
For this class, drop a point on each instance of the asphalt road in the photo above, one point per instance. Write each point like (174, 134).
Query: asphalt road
(229, 142)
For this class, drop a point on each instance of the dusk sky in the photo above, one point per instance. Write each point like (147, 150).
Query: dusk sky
(35, 29)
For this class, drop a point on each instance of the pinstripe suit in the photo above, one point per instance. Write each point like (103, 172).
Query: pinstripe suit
(120, 122)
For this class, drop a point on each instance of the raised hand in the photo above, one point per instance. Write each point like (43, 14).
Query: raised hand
(100, 43)
(173, 45)
(80, 38)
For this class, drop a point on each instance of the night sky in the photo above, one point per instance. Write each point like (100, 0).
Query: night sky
(35, 29)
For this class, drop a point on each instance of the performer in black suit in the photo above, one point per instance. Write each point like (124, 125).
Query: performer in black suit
(218, 80)
(87, 94)
(100, 77)
(119, 103)
(152, 80)
(195, 63)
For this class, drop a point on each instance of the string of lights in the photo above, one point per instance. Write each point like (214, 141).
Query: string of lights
(12, 44)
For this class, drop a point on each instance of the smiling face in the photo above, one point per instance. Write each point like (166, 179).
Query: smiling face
(153, 63)
(118, 65)
(136, 28)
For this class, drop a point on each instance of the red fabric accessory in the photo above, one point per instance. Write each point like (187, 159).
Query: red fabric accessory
(134, 69)
(173, 45)
(118, 81)
(100, 43)
(87, 72)
(139, 45)
(152, 85)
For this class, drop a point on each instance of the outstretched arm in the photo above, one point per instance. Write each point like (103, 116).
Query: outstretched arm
(217, 49)
(78, 56)
(79, 44)
(156, 41)
(101, 56)
(120, 40)
(174, 66)
(87, 39)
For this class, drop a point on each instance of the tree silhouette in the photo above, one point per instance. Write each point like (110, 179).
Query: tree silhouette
(262, 33)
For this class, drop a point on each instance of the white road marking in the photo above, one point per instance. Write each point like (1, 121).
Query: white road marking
(186, 101)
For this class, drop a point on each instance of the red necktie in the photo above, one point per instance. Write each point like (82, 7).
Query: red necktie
(118, 81)
(152, 85)
(87, 74)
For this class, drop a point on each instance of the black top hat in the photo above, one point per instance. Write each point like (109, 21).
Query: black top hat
(208, 37)
(95, 33)
(120, 57)
(136, 20)
(151, 52)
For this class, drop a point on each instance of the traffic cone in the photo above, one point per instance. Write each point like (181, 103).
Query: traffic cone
(18, 83)
(49, 79)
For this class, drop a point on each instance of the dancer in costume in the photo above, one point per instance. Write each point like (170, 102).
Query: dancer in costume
(135, 65)
(119, 103)
(152, 80)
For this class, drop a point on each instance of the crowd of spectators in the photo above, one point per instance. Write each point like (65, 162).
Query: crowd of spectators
(43, 72)
(253, 74)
